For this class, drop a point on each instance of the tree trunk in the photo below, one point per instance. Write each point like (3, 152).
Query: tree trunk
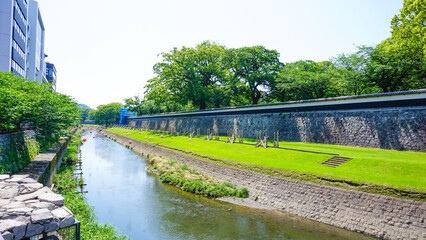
(255, 97)
(203, 104)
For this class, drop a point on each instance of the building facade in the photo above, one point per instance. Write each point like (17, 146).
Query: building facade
(36, 66)
(22, 41)
(13, 36)
(51, 75)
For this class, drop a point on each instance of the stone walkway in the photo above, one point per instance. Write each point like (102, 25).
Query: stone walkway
(28, 209)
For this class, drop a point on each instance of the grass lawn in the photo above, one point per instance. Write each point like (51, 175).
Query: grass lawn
(402, 170)
(91, 125)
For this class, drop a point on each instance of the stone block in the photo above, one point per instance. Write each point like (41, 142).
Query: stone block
(52, 198)
(4, 202)
(9, 191)
(19, 211)
(29, 187)
(62, 213)
(67, 222)
(9, 224)
(28, 180)
(41, 216)
(4, 176)
(14, 205)
(16, 178)
(33, 195)
(52, 226)
(19, 232)
(7, 235)
(41, 205)
(34, 229)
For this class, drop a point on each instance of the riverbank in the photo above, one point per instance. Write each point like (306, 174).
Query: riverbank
(190, 180)
(66, 184)
(376, 215)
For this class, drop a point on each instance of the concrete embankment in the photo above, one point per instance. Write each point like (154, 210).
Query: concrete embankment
(376, 215)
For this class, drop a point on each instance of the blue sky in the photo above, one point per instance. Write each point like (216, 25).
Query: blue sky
(104, 50)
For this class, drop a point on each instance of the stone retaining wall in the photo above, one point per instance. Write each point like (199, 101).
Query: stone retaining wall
(44, 166)
(401, 128)
(376, 215)
(6, 140)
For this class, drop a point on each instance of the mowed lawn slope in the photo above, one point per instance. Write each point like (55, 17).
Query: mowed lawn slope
(402, 170)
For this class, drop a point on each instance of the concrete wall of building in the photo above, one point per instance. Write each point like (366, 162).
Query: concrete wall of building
(6, 17)
(36, 66)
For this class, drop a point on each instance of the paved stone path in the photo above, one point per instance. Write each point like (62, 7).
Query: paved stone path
(29, 209)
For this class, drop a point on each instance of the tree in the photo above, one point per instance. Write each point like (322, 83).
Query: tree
(351, 71)
(192, 75)
(399, 63)
(84, 113)
(107, 114)
(29, 104)
(256, 67)
(306, 80)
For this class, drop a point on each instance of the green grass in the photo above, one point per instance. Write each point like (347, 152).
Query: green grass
(401, 170)
(91, 125)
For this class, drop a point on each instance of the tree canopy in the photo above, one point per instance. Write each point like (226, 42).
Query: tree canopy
(108, 113)
(29, 104)
(210, 75)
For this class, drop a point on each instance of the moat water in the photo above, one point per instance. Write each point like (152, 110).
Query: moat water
(140, 206)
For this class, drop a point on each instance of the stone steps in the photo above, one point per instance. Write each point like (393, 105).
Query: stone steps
(336, 161)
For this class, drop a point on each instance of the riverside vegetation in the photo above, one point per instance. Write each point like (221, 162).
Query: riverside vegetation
(190, 180)
(66, 184)
(387, 172)
(29, 105)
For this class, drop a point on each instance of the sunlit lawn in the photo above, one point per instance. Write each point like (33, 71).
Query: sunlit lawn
(397, 169)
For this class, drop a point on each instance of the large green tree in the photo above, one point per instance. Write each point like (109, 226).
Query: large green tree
(256, 68)
(29, 104)
(399, 63)
(351, 73)
(108, 113)
(306, 80)
(193, 75)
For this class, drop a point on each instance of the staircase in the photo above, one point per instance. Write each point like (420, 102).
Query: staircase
(335, 161)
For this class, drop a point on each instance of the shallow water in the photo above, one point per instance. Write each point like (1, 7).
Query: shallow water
(140, 206)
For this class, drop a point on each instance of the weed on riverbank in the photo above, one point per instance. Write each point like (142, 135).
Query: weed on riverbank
(190, 180)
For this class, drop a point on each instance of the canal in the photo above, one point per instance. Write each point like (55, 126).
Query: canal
(140, 206)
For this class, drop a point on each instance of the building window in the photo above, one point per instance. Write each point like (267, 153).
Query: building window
(18, 29)
(18, 68)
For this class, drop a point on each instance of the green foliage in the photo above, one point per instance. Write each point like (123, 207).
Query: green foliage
(84, 114)
(209, 75)
(351, 72)
(399, 62)
(190, 75)
(243, 193)
(20, 152)
(107, 114)
(26, 103)
(306, 80)
(202, 187)
(255, 68)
